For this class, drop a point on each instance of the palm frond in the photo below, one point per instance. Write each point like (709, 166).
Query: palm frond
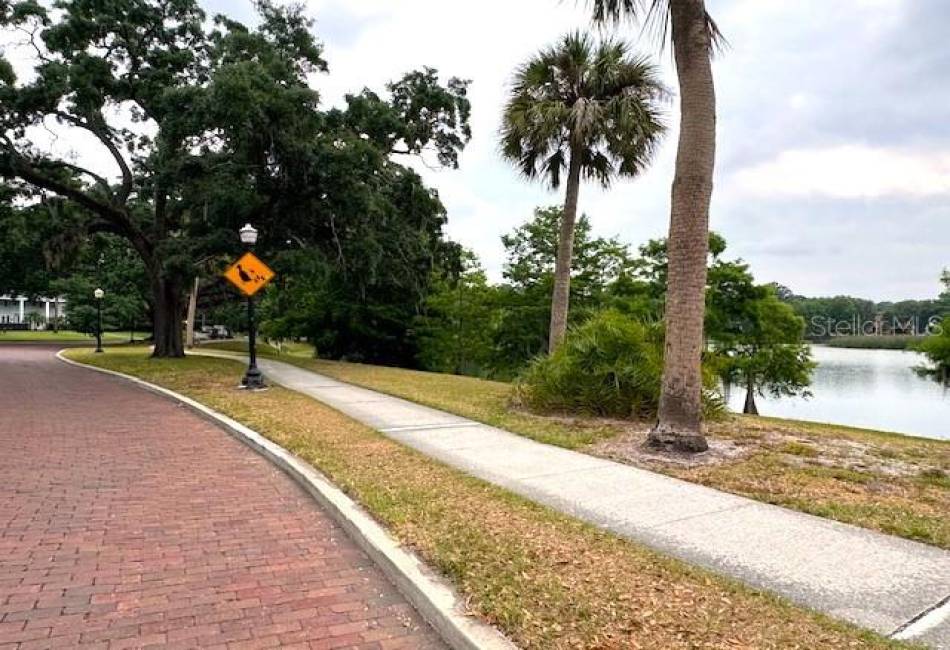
(654, 18)
(595, 100)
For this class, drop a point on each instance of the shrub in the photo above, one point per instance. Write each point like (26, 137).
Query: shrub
(611, 365)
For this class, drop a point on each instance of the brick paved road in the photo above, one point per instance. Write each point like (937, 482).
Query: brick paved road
(112, 535)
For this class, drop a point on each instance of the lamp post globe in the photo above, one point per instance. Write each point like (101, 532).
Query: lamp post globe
(248, 234)
(98, 294)
(253, 378)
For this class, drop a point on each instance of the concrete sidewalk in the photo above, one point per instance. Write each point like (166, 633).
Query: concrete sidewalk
(888, 584)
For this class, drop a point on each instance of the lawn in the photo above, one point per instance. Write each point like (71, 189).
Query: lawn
(889, 482)
(66, 336)
(547, 580)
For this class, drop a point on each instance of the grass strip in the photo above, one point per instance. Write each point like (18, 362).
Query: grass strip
(65, 336)
(896, 484)
(547, 580)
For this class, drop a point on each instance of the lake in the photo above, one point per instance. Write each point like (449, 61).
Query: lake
(874, 389)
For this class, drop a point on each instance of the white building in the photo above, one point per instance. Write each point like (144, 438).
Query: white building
(22, 313)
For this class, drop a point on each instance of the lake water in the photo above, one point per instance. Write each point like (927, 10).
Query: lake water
(874, 389)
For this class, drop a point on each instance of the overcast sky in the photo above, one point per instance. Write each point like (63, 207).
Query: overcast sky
(833, 166)
(833, 172)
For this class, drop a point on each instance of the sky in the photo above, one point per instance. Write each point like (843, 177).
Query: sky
(833, 161)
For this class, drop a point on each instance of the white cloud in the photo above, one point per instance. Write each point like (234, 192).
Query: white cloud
(848, 172)
(483, 42)
(820, 103)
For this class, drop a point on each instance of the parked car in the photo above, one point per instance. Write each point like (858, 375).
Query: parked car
(216, 332)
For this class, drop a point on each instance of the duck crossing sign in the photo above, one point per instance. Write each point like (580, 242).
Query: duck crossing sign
(249, 274)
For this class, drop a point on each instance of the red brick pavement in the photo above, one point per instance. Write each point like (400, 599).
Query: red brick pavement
(127, 521)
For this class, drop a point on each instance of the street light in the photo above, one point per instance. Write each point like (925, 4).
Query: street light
(248, 235)
(98, 293)
(253, 378)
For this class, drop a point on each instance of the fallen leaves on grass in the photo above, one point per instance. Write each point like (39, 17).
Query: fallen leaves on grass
(549, 581)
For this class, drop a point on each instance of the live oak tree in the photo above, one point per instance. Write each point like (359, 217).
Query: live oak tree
(175, 105)
(694, 36)
(589, 109)
(420, 115)
(207, 126)
(364, 234)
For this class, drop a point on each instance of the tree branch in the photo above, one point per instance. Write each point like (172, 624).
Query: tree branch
(98, 127)
(104, 226)
(26, 171)
(81, 170)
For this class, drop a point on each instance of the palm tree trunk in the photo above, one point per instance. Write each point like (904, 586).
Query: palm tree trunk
(560, 298)
(679, 423)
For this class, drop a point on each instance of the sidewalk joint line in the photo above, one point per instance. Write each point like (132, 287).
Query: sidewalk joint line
(430, 427)
(924, 621)
(567, 471)
(739, 506)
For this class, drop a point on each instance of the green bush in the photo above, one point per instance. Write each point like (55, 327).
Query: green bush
(611, 365)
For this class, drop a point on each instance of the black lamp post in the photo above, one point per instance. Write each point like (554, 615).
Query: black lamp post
(253, 378)
(98, 293)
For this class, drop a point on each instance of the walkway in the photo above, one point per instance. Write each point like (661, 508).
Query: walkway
(128, 521)
(877, 581)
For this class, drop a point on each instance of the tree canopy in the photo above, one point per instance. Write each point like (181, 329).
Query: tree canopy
(210, 124)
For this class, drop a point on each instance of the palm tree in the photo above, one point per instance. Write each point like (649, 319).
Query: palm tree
(694, 36)
(589, 108)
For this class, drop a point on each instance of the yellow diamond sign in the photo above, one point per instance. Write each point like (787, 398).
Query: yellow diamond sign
(249, 274)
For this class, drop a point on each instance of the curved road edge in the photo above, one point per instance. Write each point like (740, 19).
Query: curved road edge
(432, 596)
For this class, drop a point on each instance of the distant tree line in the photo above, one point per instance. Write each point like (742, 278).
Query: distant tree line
(842, 316)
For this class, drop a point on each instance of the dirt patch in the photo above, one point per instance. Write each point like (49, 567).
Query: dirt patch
(630, 448)
(735, 439)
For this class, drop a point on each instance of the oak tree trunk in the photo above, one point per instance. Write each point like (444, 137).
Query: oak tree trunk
(166, 318)
(679, 424)
(750, 408)
(561, 296)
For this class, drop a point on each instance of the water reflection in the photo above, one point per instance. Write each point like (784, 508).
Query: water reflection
(876, 389)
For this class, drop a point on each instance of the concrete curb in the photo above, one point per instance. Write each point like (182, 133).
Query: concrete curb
(431, 595)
